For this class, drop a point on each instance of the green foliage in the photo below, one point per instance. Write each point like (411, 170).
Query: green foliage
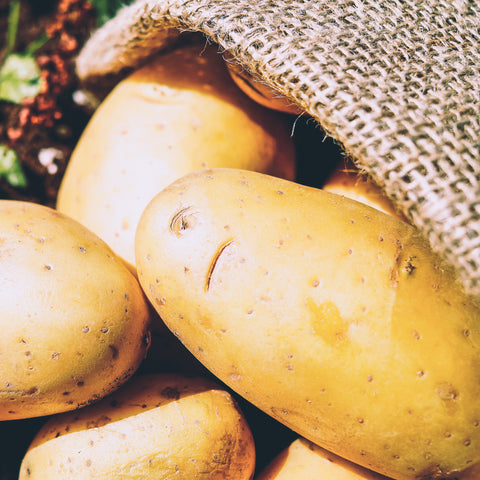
(19, 72)
(106, 9)
(19, 78)
(10, 167)
(13, 20)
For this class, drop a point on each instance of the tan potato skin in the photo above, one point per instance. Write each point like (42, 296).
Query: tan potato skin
(260, 92)
(179, 113)
(333, 317)
(160, 426)
(349, 181)
(74, 320)
(303, 460)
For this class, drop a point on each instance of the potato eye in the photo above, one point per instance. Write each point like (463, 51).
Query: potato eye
(183, 220)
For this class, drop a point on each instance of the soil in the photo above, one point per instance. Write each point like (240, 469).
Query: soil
(44, 130)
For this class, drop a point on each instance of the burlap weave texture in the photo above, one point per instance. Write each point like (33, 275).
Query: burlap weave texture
(396, 82)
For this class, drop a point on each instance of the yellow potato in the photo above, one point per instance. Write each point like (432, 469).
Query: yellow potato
(350, 181)
(162, 426)
(74, 319)
(303, 460)
(179, 113)
(331, 316)
(262, 93)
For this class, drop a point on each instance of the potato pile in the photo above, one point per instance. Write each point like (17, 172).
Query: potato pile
(181, 214)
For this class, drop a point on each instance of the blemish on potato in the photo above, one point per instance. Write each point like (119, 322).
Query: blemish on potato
(446, 392)
(82, 249)
(171, 393)
(47, 267)
(327, 322)
(85, 329)
(114, 351)
(182, 220)
(221, 249)
(409, 266)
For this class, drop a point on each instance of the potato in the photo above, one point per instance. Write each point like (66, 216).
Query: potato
(262, 93)
(179, 113)
(161, 426)
(303, 460)
(331, 316)
(348, 180)
(74, 320)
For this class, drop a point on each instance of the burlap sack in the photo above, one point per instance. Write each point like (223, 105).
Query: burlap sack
(396, 82)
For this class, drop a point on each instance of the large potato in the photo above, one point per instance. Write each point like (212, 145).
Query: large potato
(303, 460)
(161, 426)
(179, 113)
(73, 318)
(333, 317)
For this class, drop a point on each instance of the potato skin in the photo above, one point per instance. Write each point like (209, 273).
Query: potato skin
(158, 426)
(74, 320)
(303, 460)
(331, 316)
(177, 114)
(348, 180)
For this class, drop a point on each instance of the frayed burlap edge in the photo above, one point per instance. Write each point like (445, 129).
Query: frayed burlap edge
(396, 83)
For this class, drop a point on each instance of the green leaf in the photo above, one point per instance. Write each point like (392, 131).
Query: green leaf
(12, 29)
(10, 167)
(106, 9)
(19, 78)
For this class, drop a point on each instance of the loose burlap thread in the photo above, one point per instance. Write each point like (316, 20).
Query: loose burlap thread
(395, 82)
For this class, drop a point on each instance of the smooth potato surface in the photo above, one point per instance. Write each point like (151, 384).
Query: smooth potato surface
(303, 460)
(333, 317)
(348, 180)
(159, 426)
(179, 113)
(74, 320)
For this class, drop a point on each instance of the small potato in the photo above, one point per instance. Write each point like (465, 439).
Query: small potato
(258, 91)
(161, 426)
(303, 460)
(348, 180)
(179, 113)
(336, 319)
(73, 318)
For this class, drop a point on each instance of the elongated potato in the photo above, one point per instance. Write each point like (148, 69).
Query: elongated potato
(162, 426)
(177, 114)
(74, 320)
(303, 460)
(331, 316)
